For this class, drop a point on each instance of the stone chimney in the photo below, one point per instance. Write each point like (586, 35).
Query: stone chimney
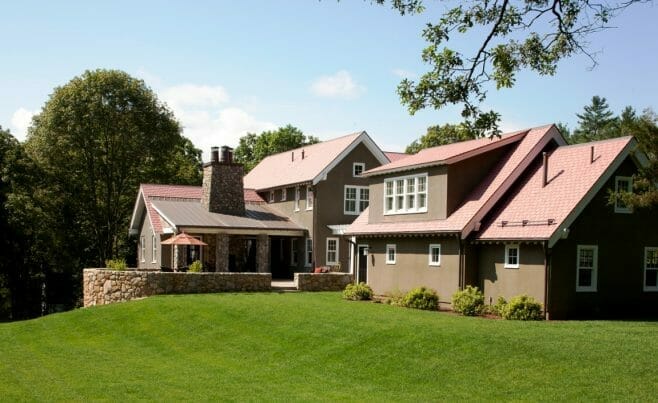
(222, 183)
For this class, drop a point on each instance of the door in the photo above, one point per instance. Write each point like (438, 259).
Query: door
(363, 263)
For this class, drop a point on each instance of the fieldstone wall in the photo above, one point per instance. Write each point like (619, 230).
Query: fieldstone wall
(322, 281)
(102, 286)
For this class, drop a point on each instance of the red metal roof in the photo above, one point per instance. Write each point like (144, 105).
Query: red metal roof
(394, 156)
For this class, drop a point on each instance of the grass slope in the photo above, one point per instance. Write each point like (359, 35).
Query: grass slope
(301, 346)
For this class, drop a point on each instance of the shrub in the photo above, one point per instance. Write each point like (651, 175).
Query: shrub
(195, 267)
(468, 302)
(523, 307)
(358, 292)
(422, 298)
(116, 264)
(499, 307)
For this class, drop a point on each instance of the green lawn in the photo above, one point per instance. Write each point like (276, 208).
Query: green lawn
(303, 346)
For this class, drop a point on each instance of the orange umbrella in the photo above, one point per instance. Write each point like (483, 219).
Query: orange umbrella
(183, 239)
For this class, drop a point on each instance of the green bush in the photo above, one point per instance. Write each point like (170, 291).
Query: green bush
(116, 264)
(358, 292)
(196, 267)
(523, 307)
(468, 302)
(499, 307)
(422, 298)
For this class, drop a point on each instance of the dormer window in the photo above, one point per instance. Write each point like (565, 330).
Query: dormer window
(406, 194)
(358, 168)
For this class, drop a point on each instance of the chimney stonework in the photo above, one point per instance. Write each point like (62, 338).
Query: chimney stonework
(223, 186)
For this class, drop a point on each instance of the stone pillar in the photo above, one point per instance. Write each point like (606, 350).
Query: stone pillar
(180, 256)
(221, 252)
(263, 253)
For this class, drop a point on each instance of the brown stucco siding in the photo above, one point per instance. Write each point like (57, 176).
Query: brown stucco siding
(412, 268)
(496, 280)
(621, 239)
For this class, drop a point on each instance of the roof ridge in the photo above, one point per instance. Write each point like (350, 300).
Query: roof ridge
(314, 144)
(610, 140)
(169, 185)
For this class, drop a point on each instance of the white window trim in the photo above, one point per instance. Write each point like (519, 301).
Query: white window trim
(294, 252)
(308, 262)
(620, 209)
(358, 164)
(297, 197)
(405, 210)
(327, 252)
(284, 194)
(309, 198)
(271, 200)
(142, 248)
(644, 273)
(357, 201)
(395, 253)
(595, 267)
(429, 259)
(518, 255)
(154, 249)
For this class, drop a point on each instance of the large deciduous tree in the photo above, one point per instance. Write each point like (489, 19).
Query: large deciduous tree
(254, 147)
(518, 35)
(439, 135)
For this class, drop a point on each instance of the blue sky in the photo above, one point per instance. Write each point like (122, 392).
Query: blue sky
(327, 67)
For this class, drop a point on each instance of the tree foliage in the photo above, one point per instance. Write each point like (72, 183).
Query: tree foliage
(439, 135)
(596, 122)
(521, 34)
(254, 147)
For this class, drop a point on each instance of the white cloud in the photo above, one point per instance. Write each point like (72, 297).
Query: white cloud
(187, 96)
(404, 73)
(20, 122)
(339, 85)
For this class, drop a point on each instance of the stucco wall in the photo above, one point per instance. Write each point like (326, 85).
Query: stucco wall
(102, 286)
(322, 281)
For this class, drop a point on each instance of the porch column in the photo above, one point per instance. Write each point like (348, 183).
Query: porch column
(180, 256)
(262, 253)
(221, 252)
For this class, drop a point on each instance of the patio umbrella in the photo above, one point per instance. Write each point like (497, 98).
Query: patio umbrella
(182, 239)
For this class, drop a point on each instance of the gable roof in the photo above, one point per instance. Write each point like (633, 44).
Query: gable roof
(479, 202)
(537, 212)
(394, 156)
(447, 154)
(289, 168)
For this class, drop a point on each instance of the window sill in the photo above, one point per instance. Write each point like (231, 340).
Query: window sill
(405, 212)
(511, 266)
(586, 290)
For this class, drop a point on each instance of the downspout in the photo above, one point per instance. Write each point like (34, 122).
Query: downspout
(547, 278)
(462, 265)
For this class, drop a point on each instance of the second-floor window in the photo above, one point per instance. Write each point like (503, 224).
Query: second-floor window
(284, 194)
(297, 197)
(406, 194)
(623, 184)
(309, 198)
(271, 196)
(356, 199)
(358, 168)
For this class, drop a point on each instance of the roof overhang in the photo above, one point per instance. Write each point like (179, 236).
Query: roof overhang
(243, 231)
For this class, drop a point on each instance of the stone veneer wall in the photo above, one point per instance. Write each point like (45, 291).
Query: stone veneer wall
(102, 286)
(322, 281)
(222, 188)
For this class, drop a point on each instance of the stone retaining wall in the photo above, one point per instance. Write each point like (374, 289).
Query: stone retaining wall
(102, 286)
(322, 281)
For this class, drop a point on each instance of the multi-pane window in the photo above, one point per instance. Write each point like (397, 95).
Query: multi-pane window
(293, 252)
(512, 256)
(332, 251)
(309, 198)
(358, 168)
(356, 199)
(284, 194)
(405, 195)
(154, 249)
(297, 197)
(142, 248)
(391, 253)
(309, 252)
(586, 269)
(651, 269)
(435, 254)
(623, 184)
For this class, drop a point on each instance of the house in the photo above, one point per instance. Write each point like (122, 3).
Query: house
(286, 215)
(320, 188)
(523, 213)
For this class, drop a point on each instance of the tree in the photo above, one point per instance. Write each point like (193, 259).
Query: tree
(597, 122)
(441, 135)
(253, 148)
(522, 34)
(96, 139)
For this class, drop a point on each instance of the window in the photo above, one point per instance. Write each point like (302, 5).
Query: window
(623, 184)
(390, 254)
(435, 254)
(142, 247)
(309, 198)
(154, 249)
(284, 194)
(309, 252)
(651, 269)
(356, 199)
(405, 195)
(297, 197)
(358, 168)
(586, 269)
(271, 196)
(294, 257)
(332, 251)
(512, 256)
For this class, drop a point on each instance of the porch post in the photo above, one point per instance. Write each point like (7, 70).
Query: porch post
(221, 252)
(262, 253)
